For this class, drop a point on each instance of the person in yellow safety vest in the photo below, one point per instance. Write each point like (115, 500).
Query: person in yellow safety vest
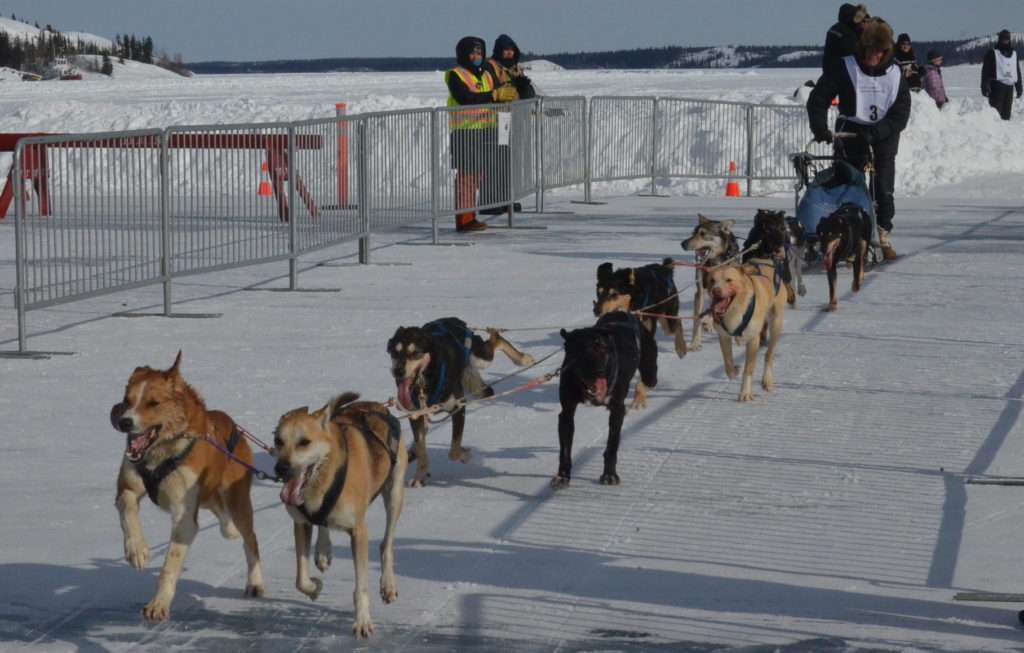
(505, 70)
(474, 133)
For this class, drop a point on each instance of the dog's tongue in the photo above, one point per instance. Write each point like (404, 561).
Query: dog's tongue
(722, 304)
(138, 444)
(405, 393)
(599, 390)
(702, 255)
(291, 493)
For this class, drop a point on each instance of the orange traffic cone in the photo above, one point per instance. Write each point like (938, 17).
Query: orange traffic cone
(732, 189)
(265, 188)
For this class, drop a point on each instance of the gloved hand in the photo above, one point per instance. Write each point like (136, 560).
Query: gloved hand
(521, 82)
(1018, 94)
(823, 137)
(505, 94)
(867, 137)
(985, 91)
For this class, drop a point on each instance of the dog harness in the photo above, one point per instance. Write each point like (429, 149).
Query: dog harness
(152, 478)
(319, 518)
(777, 266)
(445, 327)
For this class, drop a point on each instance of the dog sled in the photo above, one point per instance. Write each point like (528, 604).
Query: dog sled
(824, 183)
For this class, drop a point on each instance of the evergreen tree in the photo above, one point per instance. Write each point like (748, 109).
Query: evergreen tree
(107, 68)
(147, 50)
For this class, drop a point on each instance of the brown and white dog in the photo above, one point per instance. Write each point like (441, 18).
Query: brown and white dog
(748, 302)
(164, 417)
(335, 462)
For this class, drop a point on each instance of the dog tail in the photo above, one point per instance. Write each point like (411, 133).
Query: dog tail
(668, 263)
(336, 404)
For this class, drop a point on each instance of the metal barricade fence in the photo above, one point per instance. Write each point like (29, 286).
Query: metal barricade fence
(621, 129)
(95, 227)
(227, 195)
(701, 138)
(128, 209)
(562, 141)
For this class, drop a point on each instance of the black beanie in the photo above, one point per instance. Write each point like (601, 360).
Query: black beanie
(903, 38)
(933, 54)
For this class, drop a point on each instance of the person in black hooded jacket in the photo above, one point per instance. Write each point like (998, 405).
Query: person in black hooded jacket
(874, 104)
(907, 61)
(841, 38)
(1000, 75)
(473, 131)
(504, 68)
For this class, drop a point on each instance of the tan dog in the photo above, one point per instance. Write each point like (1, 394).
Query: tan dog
(164, 417)
(748, 301)
(335, 462)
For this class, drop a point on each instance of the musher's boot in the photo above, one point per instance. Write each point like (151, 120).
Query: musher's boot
(888, 253)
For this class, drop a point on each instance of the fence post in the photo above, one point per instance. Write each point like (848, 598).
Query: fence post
(538, 156)
(363, 194)
(19, 246)
(165, 218)
(293, 215)
(340, 111)
(749, 168)
(435, 175)
(586, 158)
(654, 146)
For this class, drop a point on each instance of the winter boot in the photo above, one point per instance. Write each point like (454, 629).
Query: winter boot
(468, 222)
(888, 253)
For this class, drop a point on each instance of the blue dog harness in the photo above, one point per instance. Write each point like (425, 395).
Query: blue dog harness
(445, 327)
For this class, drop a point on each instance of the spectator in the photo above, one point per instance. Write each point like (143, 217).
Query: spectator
(874, 104)
(907, 60)
(842, 38)
(1000, 74)
(931, 80)
(505, 70)
(473, 131)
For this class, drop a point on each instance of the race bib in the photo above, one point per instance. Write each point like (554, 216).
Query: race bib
(1006, 68)
(874, 94)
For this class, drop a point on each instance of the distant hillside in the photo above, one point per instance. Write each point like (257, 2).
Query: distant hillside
(728, 56)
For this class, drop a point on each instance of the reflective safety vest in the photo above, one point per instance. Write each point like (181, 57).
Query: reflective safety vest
(470, 118)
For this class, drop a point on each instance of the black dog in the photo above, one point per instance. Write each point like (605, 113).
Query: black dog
(845, 234)
(437, 365)
(600, 362)
(651, 287)
(772, 238)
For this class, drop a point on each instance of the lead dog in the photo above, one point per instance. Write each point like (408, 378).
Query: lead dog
(651, 287)
(439, 364)
(845, 234)
(335, 462)
(748, 298)
(163, 418)
(714, 244)
(600, 362)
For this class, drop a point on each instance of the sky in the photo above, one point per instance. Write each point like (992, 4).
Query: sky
(258, 30)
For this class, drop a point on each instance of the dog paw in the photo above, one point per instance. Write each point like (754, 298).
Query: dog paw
(829, 309)
(694, 346)
(156, 610)
(559, 482)
(388, 592)
(136, 553)
(464, 455)
(731, 371)
(526, 360)
(419, 480)
(638, 403)
(257, 591)
(802, 290)
(322, 559)
(746, 396)
(362, 628)
(311, 589)
(768, 385)
(610, 479)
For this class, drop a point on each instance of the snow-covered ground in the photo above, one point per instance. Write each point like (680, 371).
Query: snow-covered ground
(829, 515)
